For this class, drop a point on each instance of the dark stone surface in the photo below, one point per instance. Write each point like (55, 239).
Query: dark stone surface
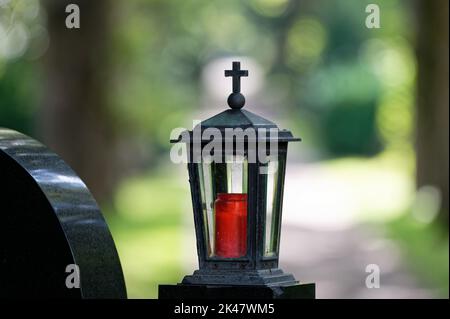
(182, 291)
(48, 220)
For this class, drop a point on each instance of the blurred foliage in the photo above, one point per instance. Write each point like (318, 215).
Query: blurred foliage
(22, 40)
(426, 248)
(336, 76)
(18, 96)
(347, 90)
(146, 225)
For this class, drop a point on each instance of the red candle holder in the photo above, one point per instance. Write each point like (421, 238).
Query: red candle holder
(231, 225)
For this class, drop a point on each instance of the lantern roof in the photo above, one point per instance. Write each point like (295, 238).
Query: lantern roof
(237, 118)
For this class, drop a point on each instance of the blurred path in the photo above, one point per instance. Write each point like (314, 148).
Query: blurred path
(323, 237)
(336, 261)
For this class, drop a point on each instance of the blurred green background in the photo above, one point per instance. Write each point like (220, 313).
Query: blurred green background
(370, 104)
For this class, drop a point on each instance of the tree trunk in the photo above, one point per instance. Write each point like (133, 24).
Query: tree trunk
(75, 120)
(433, 100)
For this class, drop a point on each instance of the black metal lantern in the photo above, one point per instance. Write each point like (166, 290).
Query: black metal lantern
(236, 164)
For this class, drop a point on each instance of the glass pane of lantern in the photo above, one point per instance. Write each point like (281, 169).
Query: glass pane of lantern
(236, 174)
(207, 199)
(273, 206)
(223, 188)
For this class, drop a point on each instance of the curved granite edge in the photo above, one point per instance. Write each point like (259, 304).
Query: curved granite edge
(81, 220)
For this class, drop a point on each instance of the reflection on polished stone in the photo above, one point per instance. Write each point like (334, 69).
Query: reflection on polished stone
(50, 220)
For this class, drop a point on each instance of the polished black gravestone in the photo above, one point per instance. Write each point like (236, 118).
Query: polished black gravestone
(49, 220)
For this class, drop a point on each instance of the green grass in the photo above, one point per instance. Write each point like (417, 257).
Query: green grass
(426, 249)
(146, 225)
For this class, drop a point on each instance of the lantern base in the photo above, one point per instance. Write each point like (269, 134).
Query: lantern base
(242, 284)
(229, 277)
(187, 291)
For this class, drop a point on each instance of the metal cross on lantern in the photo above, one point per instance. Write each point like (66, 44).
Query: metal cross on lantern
(237, 194)
(236, 100)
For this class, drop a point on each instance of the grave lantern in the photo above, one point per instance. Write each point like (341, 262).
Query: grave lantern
(236, 165)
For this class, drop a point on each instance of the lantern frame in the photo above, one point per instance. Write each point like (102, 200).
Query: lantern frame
(254, 268)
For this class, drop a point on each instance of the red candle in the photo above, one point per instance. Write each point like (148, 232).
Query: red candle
(231, 225)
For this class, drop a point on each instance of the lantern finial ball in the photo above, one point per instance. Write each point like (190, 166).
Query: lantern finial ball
(236, 100)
